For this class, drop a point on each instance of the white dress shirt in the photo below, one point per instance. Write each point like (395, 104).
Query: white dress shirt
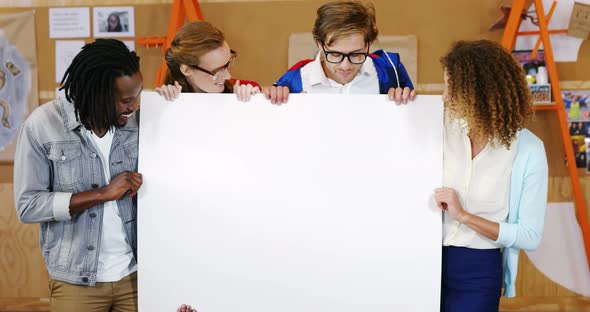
(314, 80)
(482, 183)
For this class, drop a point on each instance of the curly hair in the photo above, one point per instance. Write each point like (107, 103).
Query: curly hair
(487, 88)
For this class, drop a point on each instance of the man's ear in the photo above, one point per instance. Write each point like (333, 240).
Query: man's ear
(185, 70)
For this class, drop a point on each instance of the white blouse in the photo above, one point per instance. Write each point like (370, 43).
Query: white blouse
(482, 183)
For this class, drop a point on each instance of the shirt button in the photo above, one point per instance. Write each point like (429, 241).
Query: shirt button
(85, 279)
(94, 185)
(90, 247)
(93, 155)
(92, 215)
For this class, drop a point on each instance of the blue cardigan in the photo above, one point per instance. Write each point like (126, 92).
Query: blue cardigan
(528, 200)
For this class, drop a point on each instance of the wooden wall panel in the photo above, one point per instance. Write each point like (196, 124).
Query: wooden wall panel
(536, 292)
(22, 271)
(259, 31)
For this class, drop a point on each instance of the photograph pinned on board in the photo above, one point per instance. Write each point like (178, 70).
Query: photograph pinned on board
(587, 141)
(114, 22)
(577, 105)
(579, 145)
(579, 128)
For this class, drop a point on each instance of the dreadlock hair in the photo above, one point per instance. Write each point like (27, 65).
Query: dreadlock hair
(487, 88)
(90, 79)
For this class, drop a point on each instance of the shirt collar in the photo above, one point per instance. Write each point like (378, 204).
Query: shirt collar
(318, 76)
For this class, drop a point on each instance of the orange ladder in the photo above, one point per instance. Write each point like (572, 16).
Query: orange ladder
(508, 41)
(181, 9)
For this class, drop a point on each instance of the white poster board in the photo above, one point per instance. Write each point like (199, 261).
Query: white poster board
(322, 204)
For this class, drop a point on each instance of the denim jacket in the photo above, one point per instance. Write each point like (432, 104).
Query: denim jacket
(54, 160)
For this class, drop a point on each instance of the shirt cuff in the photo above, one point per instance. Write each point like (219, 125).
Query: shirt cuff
(61, 206)
(507, 234)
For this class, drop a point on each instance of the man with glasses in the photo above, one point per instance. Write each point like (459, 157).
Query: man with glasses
(344, 32)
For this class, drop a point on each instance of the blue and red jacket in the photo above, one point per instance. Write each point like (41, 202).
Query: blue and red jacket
(385, 73)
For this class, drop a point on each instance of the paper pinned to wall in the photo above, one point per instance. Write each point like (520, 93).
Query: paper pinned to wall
(69, 22)
(65, 51)
(130, 44)
(118, 21)
(322, 204)
(565, 48)
(579, 25)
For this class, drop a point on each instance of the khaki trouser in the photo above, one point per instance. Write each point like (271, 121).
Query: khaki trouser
(118, 296)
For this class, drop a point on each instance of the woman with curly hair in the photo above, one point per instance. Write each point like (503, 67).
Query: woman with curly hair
(495, 176)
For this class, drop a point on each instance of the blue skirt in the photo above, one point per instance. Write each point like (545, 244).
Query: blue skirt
(471, 279)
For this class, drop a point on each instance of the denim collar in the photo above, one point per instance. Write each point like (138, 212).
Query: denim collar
(72, 123)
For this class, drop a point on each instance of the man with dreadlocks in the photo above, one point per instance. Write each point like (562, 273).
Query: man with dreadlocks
(75, 175)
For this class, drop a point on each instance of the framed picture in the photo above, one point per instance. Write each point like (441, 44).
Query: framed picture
(536, 75)
(577, 105)
(114, 22)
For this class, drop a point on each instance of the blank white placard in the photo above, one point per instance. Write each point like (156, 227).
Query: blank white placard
(322, 204)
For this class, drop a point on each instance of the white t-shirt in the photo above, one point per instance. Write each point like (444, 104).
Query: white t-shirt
(115, 258)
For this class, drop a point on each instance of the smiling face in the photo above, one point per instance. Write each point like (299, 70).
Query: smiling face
(127, 90)
(212, 61)
(345, 71)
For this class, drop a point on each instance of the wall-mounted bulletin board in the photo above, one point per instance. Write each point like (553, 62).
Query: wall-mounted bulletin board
(260, 30)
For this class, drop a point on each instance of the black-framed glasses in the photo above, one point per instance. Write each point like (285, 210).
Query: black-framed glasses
(215, 73)
(335, 57)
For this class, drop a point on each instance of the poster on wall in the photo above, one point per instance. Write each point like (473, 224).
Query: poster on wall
(69, 22)
(18, 77)
(114, 22)
(577, 107)
(65, 51)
